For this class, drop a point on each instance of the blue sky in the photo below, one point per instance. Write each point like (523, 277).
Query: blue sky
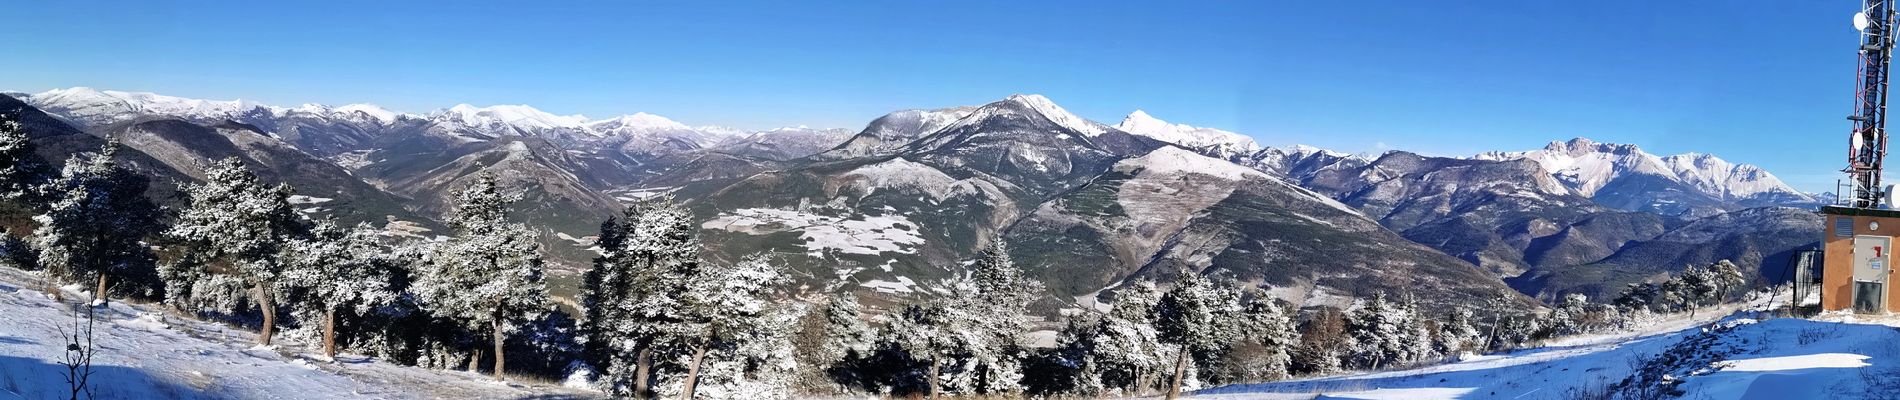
(1767, 82)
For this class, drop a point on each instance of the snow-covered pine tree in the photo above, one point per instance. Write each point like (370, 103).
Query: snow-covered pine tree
(20, 170)
(1637, 296)
(1069, 368)
(1568, 317)
(337, 269)
(1728, 279)
(831, 342)
(488, 277)
(1456, 335)
(1269, 338)
(236, 218)
(1383, 334)
(1004, 295)
(1128, 349)
(1194, 316)
(847, 335)
(631, 296)
(1698, 286)
(733, 315)
(939, 331)
(94, 226)
(1675, 294)
(1422, 328)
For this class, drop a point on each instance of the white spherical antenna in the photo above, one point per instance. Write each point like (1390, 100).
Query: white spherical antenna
(1861, 22)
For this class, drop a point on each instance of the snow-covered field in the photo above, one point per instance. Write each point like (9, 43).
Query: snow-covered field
(144, 353)
(1834, 357)
(870, 235)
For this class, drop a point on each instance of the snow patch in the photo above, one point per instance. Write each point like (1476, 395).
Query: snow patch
(867, 235)
(902, 285)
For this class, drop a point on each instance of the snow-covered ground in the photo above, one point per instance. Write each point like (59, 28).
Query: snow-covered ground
(144, 353)
(1836, 357)
(870, 235)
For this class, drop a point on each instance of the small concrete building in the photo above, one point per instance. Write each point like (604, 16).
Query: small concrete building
(1857, 261)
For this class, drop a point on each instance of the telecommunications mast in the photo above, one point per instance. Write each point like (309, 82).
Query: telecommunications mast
(1868, 146)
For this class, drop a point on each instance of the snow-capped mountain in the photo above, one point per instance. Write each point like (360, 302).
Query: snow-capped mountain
(1624, 176)
(1213, 142)
(99, 107)
(892, 131)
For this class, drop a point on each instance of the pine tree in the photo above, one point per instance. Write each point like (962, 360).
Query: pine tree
(1568, 317)
(1128, 348)
(730, 311)
(489, 275)
(1004, 294)
(1637, 296)
(1456, 335)
(941, 330)
(1192, 316)
(631, 296)
(95, 224)
(238, 219)
(336, 269)
(1384, 333)
(20, 170)
(847, 336)
(1727, 278)
(1270, 337)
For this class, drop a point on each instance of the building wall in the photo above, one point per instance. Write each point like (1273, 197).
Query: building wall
(1837, 262)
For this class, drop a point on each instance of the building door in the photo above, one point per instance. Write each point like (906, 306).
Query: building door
(1871, 269)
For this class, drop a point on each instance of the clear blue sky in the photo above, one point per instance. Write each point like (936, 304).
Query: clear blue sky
(1767, 82)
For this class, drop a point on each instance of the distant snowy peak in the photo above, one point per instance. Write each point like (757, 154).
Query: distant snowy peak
(1304, 151)
(1058, 115)
(1587, 166)
(105, 106)
(357, 112)
(1710, 173)
(519, 116)
(636, 121)
(1205, 139)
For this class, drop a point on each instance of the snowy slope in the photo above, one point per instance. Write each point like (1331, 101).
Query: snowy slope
(1587, 167)
(1833, 357)
(1057, 114)
(1214, 142)
(144, 353)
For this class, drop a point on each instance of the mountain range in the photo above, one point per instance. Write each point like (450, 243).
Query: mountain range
(1087, 207)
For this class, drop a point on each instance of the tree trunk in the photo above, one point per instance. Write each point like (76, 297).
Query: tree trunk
(475, 361)
(100, 295)
(1180, 368)
(1491, 340)
(498, 351)
(641, 367)
(329, 333)
(1134, 388)
(692, 371)
(270, 313)
(933, 379)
